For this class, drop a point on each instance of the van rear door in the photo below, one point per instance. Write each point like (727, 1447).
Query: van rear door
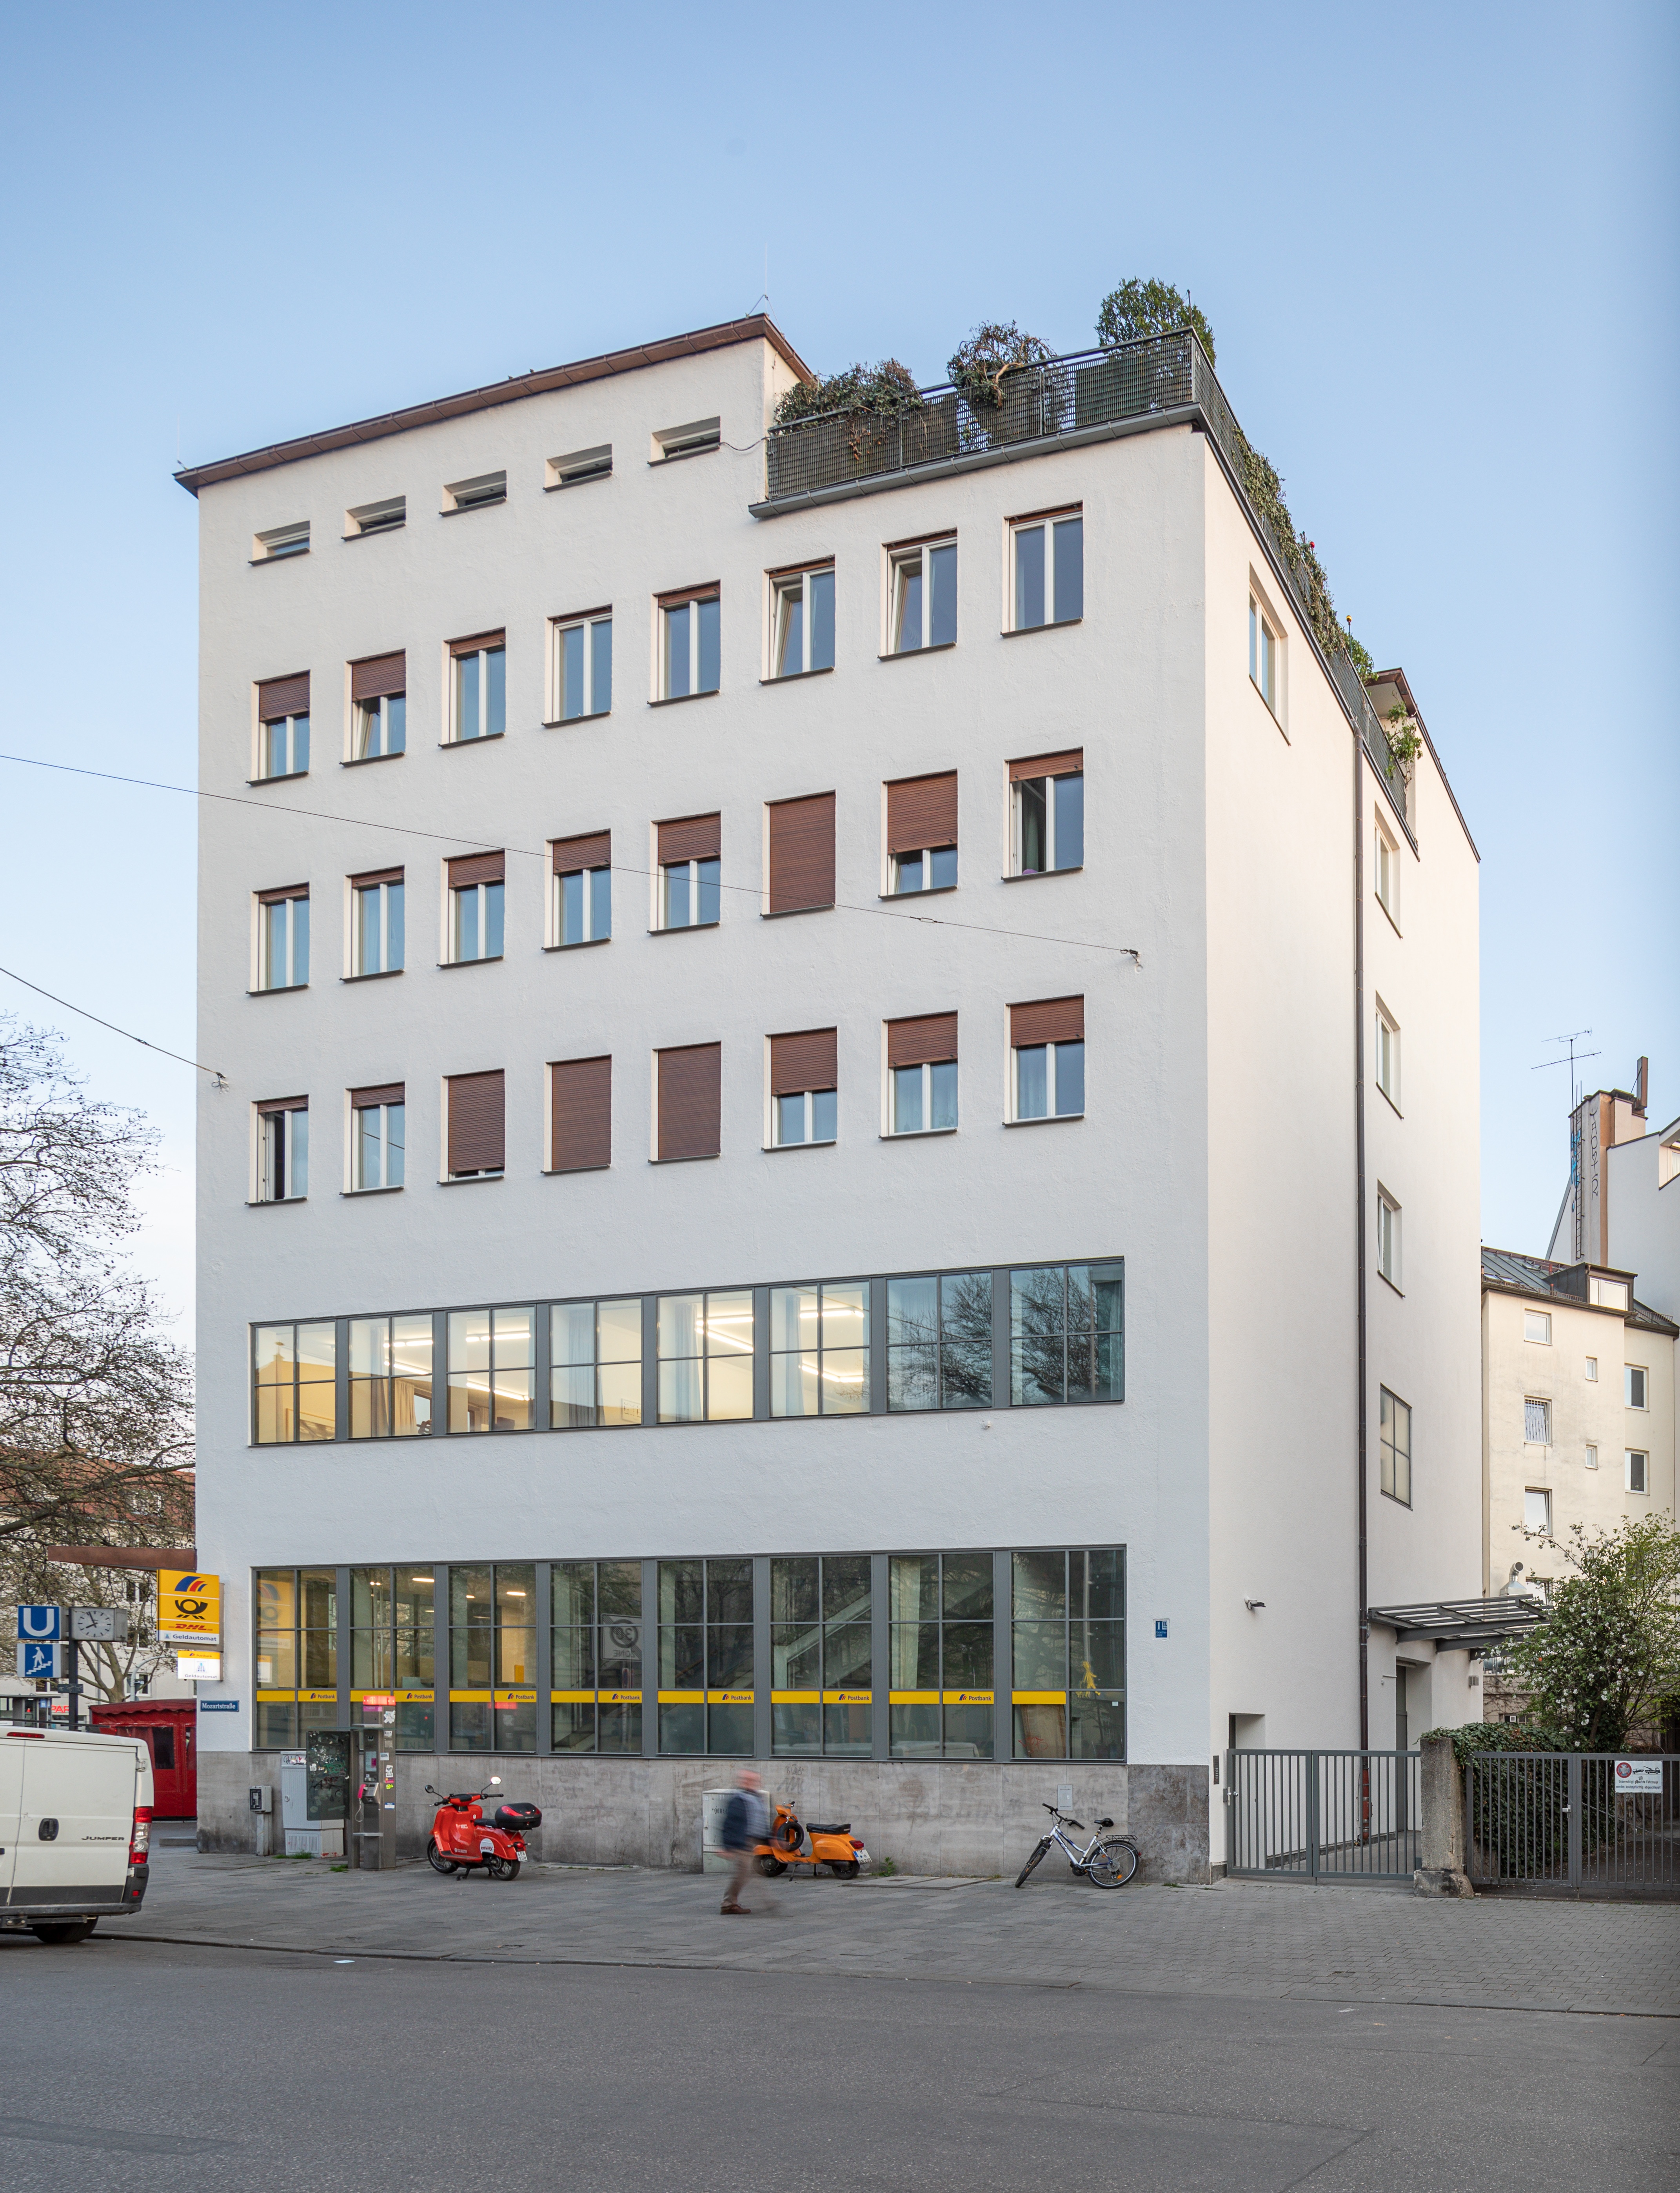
(77, 1818)
(11, 1804)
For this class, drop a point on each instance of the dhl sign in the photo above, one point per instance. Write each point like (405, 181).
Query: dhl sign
(189, 1607)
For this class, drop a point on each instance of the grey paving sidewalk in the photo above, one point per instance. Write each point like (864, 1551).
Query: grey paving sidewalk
(1256, 1939)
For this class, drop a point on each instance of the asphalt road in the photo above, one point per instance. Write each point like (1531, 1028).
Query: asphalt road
(158, 2066)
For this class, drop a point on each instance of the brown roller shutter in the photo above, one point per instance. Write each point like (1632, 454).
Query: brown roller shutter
(922, 1042)
(707, 591)
(283, 696)
(1071, 764)
(580, 1097)
(802, 856)
(285, 891)
(381, 674)
(388, 1092)
(376, 876)
(594, 851)
(477, 1134)
(694, 837)
(476, 868)
(808, 1060)
(1055, 1020)
(475, 640)
(691, 1100)
(283, 1104)
(922, 811)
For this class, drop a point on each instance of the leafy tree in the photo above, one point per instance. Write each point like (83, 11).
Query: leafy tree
(95, 1399)
(1137, 309)
(1607, 1657)
(977, 367)
(859, 390)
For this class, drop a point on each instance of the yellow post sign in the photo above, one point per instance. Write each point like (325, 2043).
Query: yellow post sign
(189, 1607)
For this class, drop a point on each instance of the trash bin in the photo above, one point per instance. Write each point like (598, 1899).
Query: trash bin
(714, 1803)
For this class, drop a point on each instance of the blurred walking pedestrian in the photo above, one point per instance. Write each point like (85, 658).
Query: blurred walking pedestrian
(746, 1824)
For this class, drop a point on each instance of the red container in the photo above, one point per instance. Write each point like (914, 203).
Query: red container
(169, 1726)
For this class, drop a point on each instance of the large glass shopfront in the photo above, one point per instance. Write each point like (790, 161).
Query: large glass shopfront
(971, 1653)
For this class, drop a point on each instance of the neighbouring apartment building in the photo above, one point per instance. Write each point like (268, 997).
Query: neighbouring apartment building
(850, 1128)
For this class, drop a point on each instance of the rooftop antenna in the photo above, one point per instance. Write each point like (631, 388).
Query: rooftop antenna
(1573, 1192)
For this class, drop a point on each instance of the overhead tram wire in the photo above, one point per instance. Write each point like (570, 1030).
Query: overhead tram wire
(217, 1076)
(528, 852)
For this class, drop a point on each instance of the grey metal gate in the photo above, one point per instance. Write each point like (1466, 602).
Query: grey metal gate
(1567, 1823)
(1322, 1815)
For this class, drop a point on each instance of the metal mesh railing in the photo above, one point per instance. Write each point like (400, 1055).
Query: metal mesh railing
(1156, 375)
(1556, 1823)
(1322, 1815)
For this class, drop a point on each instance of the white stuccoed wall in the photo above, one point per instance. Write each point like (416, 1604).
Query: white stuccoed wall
(1216, 1152)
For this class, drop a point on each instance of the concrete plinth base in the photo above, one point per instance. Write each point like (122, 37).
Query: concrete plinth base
(1441, 1880)
(945, 1817)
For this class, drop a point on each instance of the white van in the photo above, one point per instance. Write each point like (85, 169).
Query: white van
(74, 1828)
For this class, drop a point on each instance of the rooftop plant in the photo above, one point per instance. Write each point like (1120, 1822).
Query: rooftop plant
(977, 366)
(859, 390)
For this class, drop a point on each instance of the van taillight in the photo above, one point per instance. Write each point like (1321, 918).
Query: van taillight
(139, 1842)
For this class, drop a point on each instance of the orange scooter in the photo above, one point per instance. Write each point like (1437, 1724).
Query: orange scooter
(819, 1843)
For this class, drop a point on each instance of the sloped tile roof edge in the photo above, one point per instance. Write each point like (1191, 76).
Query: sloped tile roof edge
(1512, 1272)
(757, 327)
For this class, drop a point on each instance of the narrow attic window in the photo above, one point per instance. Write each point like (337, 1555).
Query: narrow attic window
(475, 493)
(281, 540)
(581, 465)
(376, 517)
(693, 440)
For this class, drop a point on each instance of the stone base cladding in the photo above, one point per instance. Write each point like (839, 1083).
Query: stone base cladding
(945, 1817)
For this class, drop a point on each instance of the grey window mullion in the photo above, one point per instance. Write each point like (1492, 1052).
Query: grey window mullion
(1000, 1339)
(544, 1652)
(880, 1645)
(878, 1348)
(761, 1373)
(440, 1374)
(761, 1655)
(650, 1381)
(345, 1638)
(651, 1626)
(1003, 1659)
(440, 1652)
(341, 1377)
(539, 1380)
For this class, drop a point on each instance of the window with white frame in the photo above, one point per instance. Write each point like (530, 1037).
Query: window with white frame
(478, 688)
(582, 667)
(1668, 1160)
(1394, 1447)
(1388, 1237)
(1636, 1383)
(1046, 818)
(921, 834)
(1264, 648)
(804, 1075)
(580, 909)
(1537, 1326)
(1536, 1423)
(376, 1128)
(1047, 1059)
(921, 1074)
(1605, 1293)
(1385, 861)
(922, 605)
(1638, 1471)
(1537, 1509)
(281, 540)
(689, 869)
(690, 644)
(283, 726)
(376, 923)
(1590, 1458)
(1388, 1056)
(378, 707)
(475, 920)
(283, 1150)
(283, 938)
(1591, 1370)
(802, 633)
(1047, 555)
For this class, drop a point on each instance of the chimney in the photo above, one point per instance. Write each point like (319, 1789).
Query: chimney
(1639, 1082)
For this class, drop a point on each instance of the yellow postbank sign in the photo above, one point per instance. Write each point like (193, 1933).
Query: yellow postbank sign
(189, 1607)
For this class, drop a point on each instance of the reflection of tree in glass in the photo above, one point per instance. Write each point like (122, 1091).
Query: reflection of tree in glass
(965, 1303)
(1036, 1311)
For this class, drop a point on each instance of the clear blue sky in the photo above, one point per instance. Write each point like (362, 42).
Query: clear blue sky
(1437, 246)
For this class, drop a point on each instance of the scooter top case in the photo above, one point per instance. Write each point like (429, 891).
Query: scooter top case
(518, 1819)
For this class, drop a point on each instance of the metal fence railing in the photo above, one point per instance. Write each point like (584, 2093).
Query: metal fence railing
(1322, 1815)
(1563, 1823)
(1167, 377)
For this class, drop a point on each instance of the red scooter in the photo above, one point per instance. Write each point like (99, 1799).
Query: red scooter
(463, 1841)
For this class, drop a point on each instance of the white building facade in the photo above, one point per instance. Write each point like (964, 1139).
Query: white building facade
(816, 1162)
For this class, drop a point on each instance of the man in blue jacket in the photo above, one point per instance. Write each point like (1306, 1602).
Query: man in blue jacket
(746, 1824)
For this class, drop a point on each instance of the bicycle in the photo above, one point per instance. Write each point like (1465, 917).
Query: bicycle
(1108, 1861)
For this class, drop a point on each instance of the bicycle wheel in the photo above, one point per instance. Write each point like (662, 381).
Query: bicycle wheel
(1020, 1878)
(1113, 1863)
